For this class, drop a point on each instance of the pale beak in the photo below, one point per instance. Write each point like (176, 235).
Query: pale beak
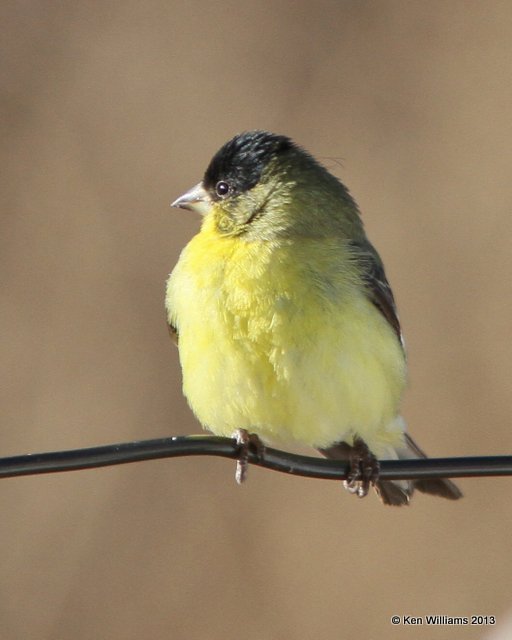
(195, 199)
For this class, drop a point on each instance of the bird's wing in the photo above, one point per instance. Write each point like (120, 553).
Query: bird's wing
(173, 332)
(377, 284)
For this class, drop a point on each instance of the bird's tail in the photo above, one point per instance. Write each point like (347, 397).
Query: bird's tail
(435, 486)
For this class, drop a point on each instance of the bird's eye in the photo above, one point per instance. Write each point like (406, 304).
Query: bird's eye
(222, 189)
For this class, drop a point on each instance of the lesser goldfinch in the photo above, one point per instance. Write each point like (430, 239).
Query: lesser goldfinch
(287, 325)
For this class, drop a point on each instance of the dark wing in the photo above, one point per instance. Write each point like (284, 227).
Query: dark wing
(173, 332)
(377, 284)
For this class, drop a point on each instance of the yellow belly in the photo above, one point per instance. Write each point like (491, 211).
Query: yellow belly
(277, 339)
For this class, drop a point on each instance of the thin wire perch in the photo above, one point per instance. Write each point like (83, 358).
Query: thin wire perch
(178, 446)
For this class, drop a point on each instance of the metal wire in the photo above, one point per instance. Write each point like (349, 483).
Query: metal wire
(72, 460)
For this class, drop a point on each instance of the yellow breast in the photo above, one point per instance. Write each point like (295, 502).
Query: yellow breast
(278, 338)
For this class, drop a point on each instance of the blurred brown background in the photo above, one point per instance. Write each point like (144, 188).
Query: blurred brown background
(110, 110)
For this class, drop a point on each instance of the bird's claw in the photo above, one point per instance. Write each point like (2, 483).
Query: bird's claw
(247, 443)
(363, 469)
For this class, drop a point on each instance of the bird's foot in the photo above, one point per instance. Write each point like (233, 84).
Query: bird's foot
(247, 443)
(363, 469)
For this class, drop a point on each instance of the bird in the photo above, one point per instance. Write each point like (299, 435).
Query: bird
(286, 325)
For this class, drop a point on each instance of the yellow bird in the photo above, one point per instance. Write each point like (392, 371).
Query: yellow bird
(287, 325)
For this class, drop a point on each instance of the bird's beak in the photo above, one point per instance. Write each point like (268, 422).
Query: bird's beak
(195, 199)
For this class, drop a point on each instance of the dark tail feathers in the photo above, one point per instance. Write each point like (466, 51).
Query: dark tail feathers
(435, 486)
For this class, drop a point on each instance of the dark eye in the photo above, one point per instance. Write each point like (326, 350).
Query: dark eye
(222, 189)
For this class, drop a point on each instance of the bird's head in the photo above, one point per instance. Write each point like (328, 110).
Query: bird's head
(260, 185)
